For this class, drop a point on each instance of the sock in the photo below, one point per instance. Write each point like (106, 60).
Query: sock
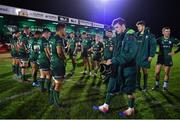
(56, 98)
(145, 80)
(138, 80)
(23, 77)
(19, 71)
(42, 84)
(74, 67)
(48, 84)
(157, 83)
(35, 76)
(131, 102)
(13, 68)
(89, 69)
(95, 71)
(51, 97)
(16, 69)
(165, 84)
(108, 98)
(85, 69)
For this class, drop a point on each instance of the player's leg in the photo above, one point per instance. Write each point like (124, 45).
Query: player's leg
(48, 80)
(42, 80)
(131, 103)
(145, 77)
(157, 76)
(24, 65)
(89, 65)
(167, 70)
(34, 71)
(138, 81)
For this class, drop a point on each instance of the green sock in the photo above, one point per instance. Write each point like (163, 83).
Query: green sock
(74, 67)
(56, 98)
(131, 102)
(51, 97)
(19, 71)
(48, 84)
(13, 68)
(34, 76)
(42, 84)
(108, 98)
(23, 77)
(16, 69)
(145, 80)
(111, 84)
(138, 84)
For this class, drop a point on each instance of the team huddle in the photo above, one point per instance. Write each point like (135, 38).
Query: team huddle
(119, 58)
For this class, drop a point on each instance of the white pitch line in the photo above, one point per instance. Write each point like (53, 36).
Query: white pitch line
(16, 96)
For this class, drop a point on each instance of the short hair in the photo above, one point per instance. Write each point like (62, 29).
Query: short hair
(37, 33)
(109, 31)
(16, 31)
(141, 22)
(84, 33)
(45, 30)
(60, 26)
(119, 20)
(72, 33)
(26, 27)
(166, 28)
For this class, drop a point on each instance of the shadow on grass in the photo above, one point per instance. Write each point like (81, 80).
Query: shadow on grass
(173, 95)
(5, 74)
(158, 110)
(31, 108)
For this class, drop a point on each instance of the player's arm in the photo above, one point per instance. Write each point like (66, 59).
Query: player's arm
(126, 56)
(101, 46)
(47, 50)
(153, 45)
(76, 46)
(60, 52)
(177, 43)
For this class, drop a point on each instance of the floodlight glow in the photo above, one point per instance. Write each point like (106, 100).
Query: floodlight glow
(1, 16)
(55, 23)
(31, 20)
(104, 0)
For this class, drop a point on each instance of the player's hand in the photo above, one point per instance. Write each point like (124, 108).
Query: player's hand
(171, 53)
(111, 48)
(109, 62)
(149, 59)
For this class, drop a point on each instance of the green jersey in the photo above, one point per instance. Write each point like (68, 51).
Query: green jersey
(107, 45)
(97, 47)
(23, 46)
(165, 47)
(13, 43)
(86, 43)
(72, 43)
(41, 46)
(34, 49)
(56, 60)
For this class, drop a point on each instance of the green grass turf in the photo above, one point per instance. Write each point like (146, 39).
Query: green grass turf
(20, 100)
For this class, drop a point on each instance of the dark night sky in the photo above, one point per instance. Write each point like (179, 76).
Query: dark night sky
(156, 13)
